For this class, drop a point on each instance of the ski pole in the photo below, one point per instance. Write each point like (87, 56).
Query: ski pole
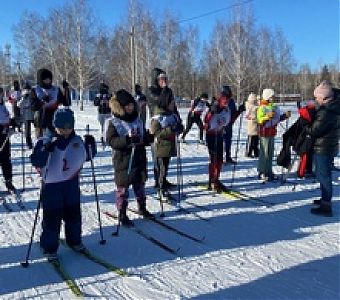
(237, 148)
(23, 159)
(178, 173)
(180, 169)
(155, 161)
(25, 264)
(116, 233)
(102, 241)
(130, 160)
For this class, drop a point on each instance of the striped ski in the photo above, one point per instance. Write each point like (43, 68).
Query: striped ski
(237, 194)
(70, 282)
(146, 236)
(170, 228)
(89, 255)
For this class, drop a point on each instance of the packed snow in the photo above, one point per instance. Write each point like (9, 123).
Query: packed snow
(269, 247)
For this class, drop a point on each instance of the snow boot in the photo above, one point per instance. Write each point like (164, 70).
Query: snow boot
(78, 248)
(144, 212)
(229, 160)
(124, 219)
(219, 187)
(317, 202)
(325, 209)
(169, 185)
(10, 187)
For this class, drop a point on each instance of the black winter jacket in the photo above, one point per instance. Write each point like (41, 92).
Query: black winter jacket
(325, 130)
(121, 152)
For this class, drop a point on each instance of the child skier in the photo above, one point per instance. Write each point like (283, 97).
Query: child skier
(5, 145)
(59, 161)
(104, 112)
(216, 120)
(166, 125)
(197, 108)
(14, 96)
(45, 98)
(27, 113)
(126, 134)
(253, 138)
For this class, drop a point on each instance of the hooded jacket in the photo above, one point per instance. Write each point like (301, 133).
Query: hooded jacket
(251, 108)
(117, 129)
(45, 99)
(325, 130)
(158, 96)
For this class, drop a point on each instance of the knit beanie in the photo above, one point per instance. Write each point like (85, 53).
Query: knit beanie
(204, 96)
(267, 94)
(324, 90)
(63, 118)
(43, 74)
(226, 91)
(252, 97)
(124, 98)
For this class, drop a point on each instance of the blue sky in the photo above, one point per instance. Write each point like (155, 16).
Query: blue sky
(311, 26)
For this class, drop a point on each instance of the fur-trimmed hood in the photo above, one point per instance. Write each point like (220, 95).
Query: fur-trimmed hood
(117, 109)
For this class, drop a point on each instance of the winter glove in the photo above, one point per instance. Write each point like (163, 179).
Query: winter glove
(241, 108)
(133, 139)
(50, 145)
(288, 114)
(177, 128)
(270, 114)
(90, 143)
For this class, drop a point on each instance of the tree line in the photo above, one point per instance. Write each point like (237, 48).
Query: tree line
(75, 46)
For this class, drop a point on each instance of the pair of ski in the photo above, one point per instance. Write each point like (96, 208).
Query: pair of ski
(174, 202)
(154, 240)
(67, 278)
(237, 195)
(18, 201)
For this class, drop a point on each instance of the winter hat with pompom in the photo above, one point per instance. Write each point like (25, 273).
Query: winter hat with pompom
(324, 90)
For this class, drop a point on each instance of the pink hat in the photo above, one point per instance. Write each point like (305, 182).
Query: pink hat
(324, 90)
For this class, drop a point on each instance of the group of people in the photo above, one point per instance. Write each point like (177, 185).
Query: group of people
(131, 123)
(314, 137)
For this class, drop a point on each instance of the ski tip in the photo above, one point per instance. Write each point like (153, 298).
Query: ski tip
(24, 264)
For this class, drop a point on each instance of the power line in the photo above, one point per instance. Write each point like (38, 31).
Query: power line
(214, 11)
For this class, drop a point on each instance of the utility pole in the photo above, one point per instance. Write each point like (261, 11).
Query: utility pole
(133, 54)
(7, 65)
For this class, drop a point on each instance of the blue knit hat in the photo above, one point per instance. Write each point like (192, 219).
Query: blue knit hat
(63, 118)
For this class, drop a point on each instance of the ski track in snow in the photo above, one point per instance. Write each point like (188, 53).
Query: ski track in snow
(251, 250)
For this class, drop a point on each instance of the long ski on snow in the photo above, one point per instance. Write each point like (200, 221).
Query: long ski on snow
(238, 195)
(170, 228)
(173, 202)
(89, 255)
(70, 282)
(146, 236)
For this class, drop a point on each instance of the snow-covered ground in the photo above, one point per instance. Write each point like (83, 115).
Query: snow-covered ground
(251, 250)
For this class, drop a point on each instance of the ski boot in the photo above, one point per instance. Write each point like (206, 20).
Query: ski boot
(78, 248)
(124, 219)
(144, 212)
(325, 209)
(10, 187)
